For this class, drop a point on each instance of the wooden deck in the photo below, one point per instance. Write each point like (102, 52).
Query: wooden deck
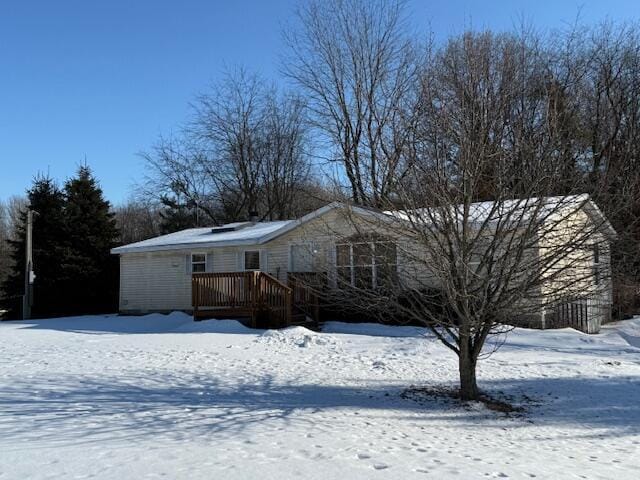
(256, 295)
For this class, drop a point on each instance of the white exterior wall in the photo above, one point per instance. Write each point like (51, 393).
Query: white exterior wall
(161, 281)
(155, 281)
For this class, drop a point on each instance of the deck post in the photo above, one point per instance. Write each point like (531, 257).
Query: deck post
(195, 297)
(242, 294)
(289, 307)
(254, 298)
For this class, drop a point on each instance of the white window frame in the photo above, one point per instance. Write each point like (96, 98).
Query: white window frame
(244, 260)
(352, 267)
(203, 262)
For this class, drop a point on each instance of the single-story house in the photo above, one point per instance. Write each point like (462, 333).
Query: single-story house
(223, 270)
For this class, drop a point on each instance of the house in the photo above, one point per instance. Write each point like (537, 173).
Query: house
(245, 268)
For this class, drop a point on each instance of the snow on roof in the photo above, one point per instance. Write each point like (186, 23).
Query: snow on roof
(247, 233)
(243, 234)
(492, 211)
(514, 210)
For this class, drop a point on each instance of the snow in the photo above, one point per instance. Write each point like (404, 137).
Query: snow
(205, 237)
(538, 209)
(161, 395)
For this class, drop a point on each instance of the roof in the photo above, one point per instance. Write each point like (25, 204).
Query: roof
(495, 210)
(491, 212)
(248, 233)
(245, 234)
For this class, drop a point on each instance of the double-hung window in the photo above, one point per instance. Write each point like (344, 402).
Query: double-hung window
(252, 260)
(198, 262)
(367, 264)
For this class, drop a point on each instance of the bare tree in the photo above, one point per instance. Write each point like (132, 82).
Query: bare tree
(137, 220)
(10, 212)
(283, 174)
(176, 176)
(229, 124)
(358, 70)
(14, 207)
(5, 254)
(609, 131)
(466, 269)
(244, 150)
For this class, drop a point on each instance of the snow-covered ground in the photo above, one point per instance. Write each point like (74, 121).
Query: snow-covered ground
(162, 396)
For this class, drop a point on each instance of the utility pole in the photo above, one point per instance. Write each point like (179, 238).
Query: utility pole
(29, 276)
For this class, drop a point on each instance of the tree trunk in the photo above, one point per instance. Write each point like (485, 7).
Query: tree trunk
(467, 369)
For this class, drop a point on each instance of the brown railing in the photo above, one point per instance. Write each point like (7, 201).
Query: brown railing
(256, 294)
(228, 289)
(274, 298)
(306, 288)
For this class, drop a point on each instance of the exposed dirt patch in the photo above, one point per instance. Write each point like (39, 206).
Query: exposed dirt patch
(430, 393)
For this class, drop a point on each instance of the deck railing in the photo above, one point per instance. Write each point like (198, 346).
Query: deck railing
(274, 298)
(584, 313)
(306, 288)
(253, 294)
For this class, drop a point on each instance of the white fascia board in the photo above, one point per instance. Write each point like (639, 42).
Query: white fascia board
(183, 246)
(593, 209)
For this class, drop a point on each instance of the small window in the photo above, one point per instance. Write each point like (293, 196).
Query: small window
(252, 260)
(198, 262)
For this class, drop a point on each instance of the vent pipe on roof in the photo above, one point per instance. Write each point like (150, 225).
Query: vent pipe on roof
(253, 216)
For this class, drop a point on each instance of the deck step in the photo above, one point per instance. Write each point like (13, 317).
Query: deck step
(302, 320)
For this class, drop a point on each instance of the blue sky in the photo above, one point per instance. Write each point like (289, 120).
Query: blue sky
(102, 79)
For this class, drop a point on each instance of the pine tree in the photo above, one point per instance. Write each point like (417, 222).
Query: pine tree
(177, 216)
(91, 272)
(49, 252)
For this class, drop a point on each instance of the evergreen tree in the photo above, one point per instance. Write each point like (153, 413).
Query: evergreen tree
(90, 271)
(177, 216)
(49, 252)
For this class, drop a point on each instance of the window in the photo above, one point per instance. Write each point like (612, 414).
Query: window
(367, 264)
(343, 263)
(252, 260)
(482, 251)
(304, 257)
(198, 262)
(596, 264)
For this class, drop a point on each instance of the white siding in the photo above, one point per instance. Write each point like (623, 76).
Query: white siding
(154, 282)
(160, 281)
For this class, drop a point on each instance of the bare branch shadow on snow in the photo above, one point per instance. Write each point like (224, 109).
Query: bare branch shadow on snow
(604, 407)
(69, 410)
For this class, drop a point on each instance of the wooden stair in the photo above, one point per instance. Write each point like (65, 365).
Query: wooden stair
(302, 319)
(266, 301)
